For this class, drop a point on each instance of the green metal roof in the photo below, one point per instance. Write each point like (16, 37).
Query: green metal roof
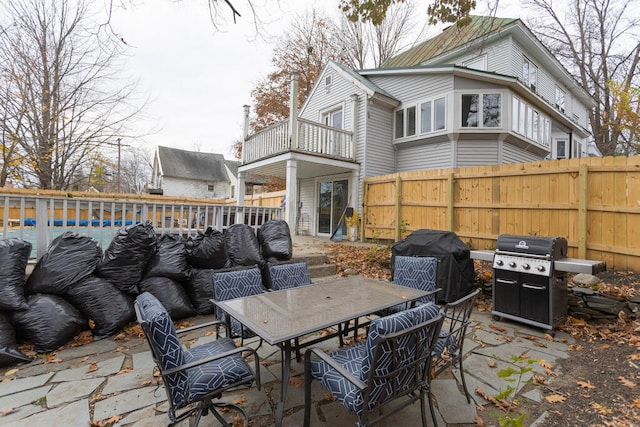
(451, 38)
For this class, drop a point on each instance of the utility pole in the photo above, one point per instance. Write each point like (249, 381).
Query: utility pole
(118, 179)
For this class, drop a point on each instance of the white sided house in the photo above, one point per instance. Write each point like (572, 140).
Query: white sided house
(193, 174)
(488, 93)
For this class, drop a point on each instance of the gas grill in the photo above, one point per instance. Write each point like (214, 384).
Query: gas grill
(527, 287)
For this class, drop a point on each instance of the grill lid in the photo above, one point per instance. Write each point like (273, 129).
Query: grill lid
(553, 247)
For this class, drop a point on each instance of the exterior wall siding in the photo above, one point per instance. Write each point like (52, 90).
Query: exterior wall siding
(498, 56)
(437, 155)
(307, 194)
(414, 88)
(513, 154)
(477, 153)
(379, 155)
(192, 188)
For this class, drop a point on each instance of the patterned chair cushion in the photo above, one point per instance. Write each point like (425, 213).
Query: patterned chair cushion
(447, 341)
(415, 272)
(285, 276)
(357, 359)
(217, 374)
(236, 284)
(164, 343)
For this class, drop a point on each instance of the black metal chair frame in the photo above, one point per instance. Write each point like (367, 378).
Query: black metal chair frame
(396, 379)
(457, 315)
(206, 404)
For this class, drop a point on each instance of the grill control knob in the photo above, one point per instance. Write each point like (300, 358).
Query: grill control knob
(526, 266)
(512, 264)
(499, 262)
(541, 268)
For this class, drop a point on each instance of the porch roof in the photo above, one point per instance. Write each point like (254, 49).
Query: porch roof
(309, 166)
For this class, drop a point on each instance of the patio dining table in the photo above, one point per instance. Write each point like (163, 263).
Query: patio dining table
(282, 317)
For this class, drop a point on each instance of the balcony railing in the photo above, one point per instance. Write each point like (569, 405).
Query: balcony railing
(312, 138)
(39, 219)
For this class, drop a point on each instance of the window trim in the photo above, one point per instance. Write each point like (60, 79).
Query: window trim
(532, 70)
(416, 108)
(522, 114)
(561, 106)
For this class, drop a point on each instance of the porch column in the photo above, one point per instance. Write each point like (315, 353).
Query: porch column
(240, 190)
(291, 195)
(245, 131)
(293, 113)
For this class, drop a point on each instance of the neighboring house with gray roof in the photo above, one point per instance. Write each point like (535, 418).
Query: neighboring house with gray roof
(193, 174)
(487, 93)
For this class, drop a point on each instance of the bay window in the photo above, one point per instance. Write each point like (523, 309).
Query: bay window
(488, 116)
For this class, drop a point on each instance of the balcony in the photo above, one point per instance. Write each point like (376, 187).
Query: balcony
(310, 138)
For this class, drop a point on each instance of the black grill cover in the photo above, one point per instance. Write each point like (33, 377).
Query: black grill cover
(455, 274)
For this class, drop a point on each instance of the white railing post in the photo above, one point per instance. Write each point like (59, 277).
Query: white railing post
(245, 132)
(293, 113)
(41, 226)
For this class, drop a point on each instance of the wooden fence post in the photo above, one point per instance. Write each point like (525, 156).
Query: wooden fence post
(398, 208)
(583, 194)
(450, 202)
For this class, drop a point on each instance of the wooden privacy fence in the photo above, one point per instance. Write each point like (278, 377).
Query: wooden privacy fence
(593, 202)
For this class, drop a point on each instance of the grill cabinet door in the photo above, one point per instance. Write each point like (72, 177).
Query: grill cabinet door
(506, 292)
(534, 297)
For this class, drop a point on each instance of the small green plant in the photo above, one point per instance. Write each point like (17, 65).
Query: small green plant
(40, 402)
(513, 374)
(404, 227)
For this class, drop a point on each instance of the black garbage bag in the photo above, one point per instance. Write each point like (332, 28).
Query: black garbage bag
(49, 322)
(275, 240)
(99, 300)
(243, 247)
(455, 274)
(70, 258)
(14, 256)
(170, 260)
(171, 294)
(124, 261)
(200, 290)
(9, 353)
(207, 250)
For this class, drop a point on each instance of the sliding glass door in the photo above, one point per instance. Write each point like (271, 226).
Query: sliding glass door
(333, 199)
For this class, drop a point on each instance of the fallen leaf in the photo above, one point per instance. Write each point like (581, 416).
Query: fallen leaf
(239, 400)
(625, 382)
(604, 346)
(555, 398)
(10, 372)
(328, 396)
(6, 412)
(124, 371)
(543, 363)
(296, 382)
(107, 422)
(636, 403)
(586, 385)
(93, 367)
(530, 337)
(84, 359)
(146, 383)
(492, 364)
(548, 337)
(635, 356)
(479, 421)
(601, 408)
(539, 379)
(540, 344)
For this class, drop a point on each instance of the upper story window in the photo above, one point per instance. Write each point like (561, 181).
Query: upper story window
(477, 63)
(430, 119)
(529, 122)
(210, 187)
(432, 115)
(487, 114)
(561, 149)
(333, 118)
(529, 74)
(560, 99)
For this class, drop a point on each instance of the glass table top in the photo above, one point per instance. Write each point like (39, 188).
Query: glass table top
(287, 314)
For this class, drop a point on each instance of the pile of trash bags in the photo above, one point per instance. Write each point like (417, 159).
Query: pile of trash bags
(77, 286)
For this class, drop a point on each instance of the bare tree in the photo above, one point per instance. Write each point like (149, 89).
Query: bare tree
(136, 168)
(65, 99)
(602, 39)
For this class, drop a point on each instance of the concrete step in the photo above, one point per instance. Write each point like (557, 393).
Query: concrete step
(323, 270)
(313, 260)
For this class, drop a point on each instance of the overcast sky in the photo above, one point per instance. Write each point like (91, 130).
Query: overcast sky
(198, 78)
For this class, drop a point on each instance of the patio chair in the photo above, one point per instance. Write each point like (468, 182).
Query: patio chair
(289, 275)
(197, 375)
(236, 283)
(387, 372)
(449, 348)
(418, 273)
